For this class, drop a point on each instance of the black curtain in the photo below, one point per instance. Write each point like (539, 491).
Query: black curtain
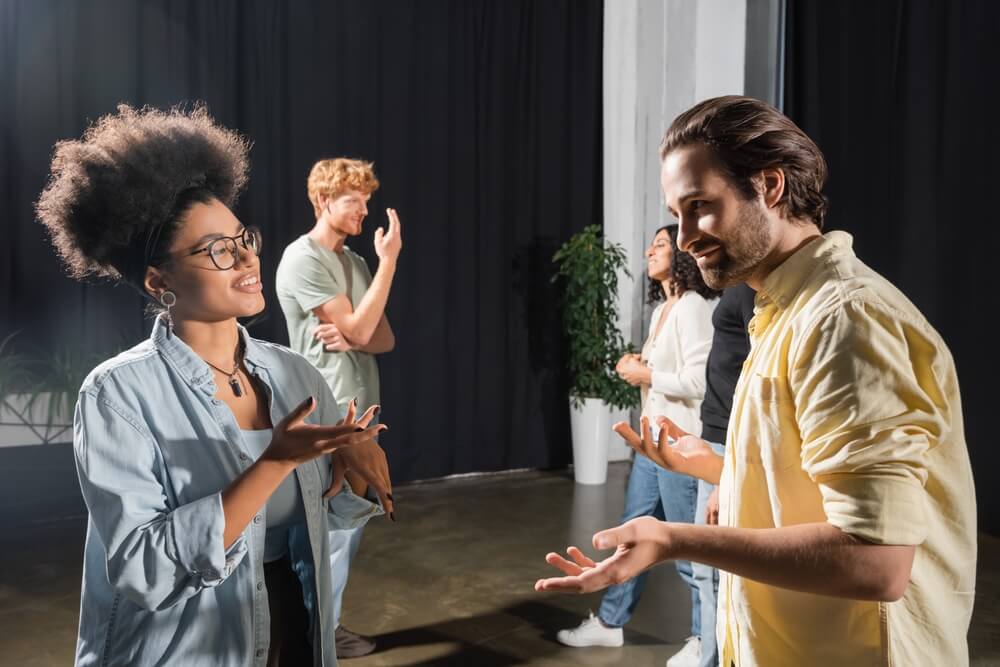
(484, 122)
(902, 98)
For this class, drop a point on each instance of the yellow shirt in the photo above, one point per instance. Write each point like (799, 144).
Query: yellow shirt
(848, 411)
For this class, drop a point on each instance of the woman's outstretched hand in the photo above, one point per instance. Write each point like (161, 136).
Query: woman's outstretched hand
(364, 465)
(294, 442)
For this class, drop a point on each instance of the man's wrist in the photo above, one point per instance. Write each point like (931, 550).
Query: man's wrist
(674, 540)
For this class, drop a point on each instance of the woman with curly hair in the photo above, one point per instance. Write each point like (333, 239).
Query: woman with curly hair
(671, 373)
(205, 457)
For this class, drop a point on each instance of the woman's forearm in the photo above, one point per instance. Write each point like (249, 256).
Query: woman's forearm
(242, 499)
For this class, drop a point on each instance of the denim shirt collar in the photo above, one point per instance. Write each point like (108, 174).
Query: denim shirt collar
(192, 367)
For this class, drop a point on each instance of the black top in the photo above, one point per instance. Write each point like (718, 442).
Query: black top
(730, 347)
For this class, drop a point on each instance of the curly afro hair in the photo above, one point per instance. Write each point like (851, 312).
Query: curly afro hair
(684, 273)
(115, 195)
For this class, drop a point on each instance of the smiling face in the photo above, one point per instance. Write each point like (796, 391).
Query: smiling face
(658, 257)
(204, 293)
(728, 236)
(346, 211)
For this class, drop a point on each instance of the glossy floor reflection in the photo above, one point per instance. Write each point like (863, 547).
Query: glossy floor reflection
(449, 584)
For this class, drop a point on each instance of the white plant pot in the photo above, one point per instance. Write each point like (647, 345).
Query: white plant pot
(24, 424)
(590, 425)
(618, 450)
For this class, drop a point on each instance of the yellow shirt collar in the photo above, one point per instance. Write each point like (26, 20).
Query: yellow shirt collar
(786, 281)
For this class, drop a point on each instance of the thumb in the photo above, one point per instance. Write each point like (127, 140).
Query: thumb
(337, 469)
(301, 411)
(672, 429)
(379, 233)
(612, 537)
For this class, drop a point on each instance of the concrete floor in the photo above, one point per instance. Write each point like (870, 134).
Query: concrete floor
(449, 584)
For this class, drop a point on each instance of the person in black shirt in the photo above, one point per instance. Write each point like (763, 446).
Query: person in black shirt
(730, 347)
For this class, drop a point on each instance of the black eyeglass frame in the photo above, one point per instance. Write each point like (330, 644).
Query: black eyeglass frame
(250, 238)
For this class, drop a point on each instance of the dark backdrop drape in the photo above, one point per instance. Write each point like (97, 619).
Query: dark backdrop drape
(483, 119)
(902, 97)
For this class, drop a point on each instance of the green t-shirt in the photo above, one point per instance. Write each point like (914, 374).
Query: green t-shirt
(308, 276)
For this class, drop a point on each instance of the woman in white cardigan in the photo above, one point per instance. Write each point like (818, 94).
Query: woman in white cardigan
(671, 373)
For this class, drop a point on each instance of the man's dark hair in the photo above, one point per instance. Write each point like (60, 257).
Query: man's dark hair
(747, 136)
(115, 195)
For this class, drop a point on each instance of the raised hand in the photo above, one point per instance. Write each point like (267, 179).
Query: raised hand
(389, 243)
(294, 442)
(639, 544)
(688, 455)
(333, 340)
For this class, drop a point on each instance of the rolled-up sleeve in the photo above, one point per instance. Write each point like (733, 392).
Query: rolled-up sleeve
(868, 408)
(348, 510)
(157, 555)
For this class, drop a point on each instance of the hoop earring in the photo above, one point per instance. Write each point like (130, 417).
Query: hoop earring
(168, 299)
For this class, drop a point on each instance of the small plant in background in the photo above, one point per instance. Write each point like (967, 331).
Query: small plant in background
(16, 375)
(60, 376)
(588, 270)
(39, 391)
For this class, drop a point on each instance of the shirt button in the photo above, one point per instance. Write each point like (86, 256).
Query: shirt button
(260, 653)
(260, 585)
(257, 519)
(244, 457)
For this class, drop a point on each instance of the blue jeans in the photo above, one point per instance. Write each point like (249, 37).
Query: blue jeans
(653, 491)
(707, 579)
(343, 547)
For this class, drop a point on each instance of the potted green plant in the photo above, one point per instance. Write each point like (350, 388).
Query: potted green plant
(587, 268)
(38, 394)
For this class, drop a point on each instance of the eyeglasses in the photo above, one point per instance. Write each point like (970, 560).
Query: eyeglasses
(224, 251)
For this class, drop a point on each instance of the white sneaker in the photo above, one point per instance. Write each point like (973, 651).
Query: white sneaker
(689, 656)
(591, 633)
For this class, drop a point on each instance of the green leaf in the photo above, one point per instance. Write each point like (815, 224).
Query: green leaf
(587, 269)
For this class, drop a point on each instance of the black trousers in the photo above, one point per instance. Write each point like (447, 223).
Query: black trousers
(290, 645)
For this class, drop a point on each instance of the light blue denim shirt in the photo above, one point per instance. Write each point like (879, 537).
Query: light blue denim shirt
(154, 450)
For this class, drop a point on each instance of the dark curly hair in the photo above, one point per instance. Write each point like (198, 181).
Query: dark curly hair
(684, 272)
(115, 195)
(747, 136)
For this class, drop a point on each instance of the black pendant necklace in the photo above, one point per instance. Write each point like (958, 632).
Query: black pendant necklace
(234, 378)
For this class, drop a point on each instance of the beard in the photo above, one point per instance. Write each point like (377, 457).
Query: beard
(742, 251)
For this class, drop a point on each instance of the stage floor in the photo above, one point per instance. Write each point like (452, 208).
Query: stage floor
(450, 583)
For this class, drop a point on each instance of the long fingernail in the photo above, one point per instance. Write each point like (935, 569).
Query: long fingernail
(392, 517)
(389, 496)
(377, 410)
